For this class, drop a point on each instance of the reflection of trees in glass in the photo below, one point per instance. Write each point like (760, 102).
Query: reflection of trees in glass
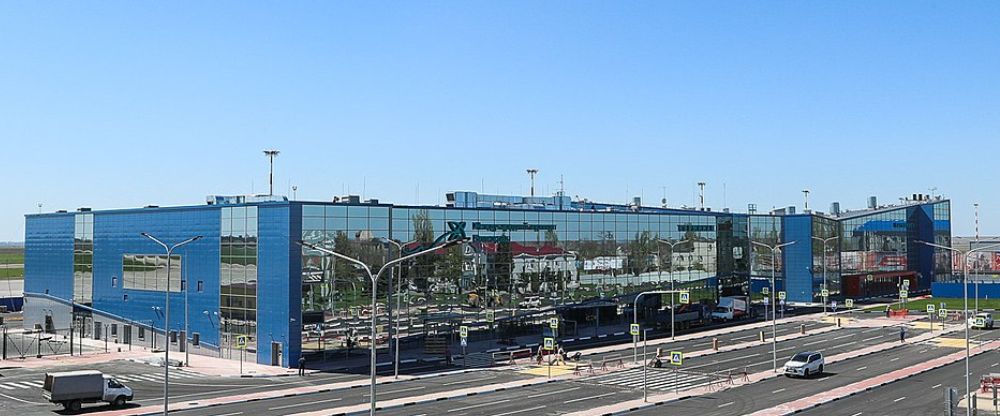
(640, 252)
(449, 269)
(423, 233)
(551, 238)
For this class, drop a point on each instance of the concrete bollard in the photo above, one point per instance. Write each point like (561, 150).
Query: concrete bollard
(802, 329)
(715, 344)
(761, 336)
(838, 322)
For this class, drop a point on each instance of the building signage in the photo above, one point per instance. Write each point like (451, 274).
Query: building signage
(695, 228)
(513, 227)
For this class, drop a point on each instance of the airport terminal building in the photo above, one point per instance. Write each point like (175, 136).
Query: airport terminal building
(247, 280)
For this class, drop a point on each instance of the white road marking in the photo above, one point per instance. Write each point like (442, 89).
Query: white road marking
(936, 386)
(777, 391)
(23, 386)
(588, 398)
(520, 411)
(842, 336)
(231, 414)
(726, 404)
(894, 359)
(287, 406)
(552, 392)
(899, 399)
(25, 401)
(478, 405)
(399, 390)
(858, 414)
(862, 368)
(869, 339)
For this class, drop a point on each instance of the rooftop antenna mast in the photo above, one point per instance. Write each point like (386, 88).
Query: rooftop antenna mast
(271, 154)
(532, 173)
(805, 193)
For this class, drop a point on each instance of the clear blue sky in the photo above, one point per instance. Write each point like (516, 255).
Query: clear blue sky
(123, 104)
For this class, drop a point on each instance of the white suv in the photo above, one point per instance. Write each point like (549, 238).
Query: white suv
(982, 320)
(804, 364)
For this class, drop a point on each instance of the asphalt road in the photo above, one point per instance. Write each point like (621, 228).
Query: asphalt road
(922, 394)
(558, 398)
(348, 397)
(765, 394)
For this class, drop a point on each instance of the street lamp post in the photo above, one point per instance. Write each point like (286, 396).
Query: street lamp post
(635, 319)
(965, 294)
(774, 317)
(166, 316)
(672, 244)
(394, 324)
(824, 240)
(374, 280)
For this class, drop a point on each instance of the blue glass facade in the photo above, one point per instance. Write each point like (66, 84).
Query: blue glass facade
(248, 278)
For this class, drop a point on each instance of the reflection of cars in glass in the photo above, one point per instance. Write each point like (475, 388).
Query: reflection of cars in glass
(804, 364)
(530, 302)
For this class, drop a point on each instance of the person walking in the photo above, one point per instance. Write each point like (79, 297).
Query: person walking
(902, 335)
(302, 366)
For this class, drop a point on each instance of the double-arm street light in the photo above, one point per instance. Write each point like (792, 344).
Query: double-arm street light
(394, 324)
(825, 240)
(965, 293)
(166, 317)
(374, 279)
(774, 318)
(672, 244)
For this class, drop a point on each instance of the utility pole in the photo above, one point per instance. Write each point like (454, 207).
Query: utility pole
(532, 173)
(271, 154)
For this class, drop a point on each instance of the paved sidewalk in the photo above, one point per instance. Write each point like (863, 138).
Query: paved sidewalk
(861, 386)
(632, 405)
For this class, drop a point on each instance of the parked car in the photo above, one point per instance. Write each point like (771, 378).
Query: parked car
(982, 320)
(72, 388)
(804, 364)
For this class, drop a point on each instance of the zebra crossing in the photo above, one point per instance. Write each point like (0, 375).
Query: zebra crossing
(656, 379)
(154, 377)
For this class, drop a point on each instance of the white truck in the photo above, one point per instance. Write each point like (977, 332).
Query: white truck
(73, 388)
(732, 308)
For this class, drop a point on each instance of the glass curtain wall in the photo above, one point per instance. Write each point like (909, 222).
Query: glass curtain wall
(519, 265)
(943, 262)
(829, 230)
(766, 229)
(83, 259)
(238, 277)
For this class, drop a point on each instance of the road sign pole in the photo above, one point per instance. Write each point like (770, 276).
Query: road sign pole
(645, 366)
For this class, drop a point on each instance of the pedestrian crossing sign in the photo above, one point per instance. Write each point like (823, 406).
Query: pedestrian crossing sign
(765, 290)
(685, 298)
(849, 303)
(903, 294)
(241, 342)
(824, 293)
(676, 357)
(781, 295)
(549, 344)
(463, 331)
(633, 329)
(930, 309)
(942, 313)
(490, 315)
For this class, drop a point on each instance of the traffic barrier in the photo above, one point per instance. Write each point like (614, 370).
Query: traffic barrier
(761, 336)
(612, 359)
(989, 381)
(510, 357)
(715, 344)
(802, 328)
(579, 367)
